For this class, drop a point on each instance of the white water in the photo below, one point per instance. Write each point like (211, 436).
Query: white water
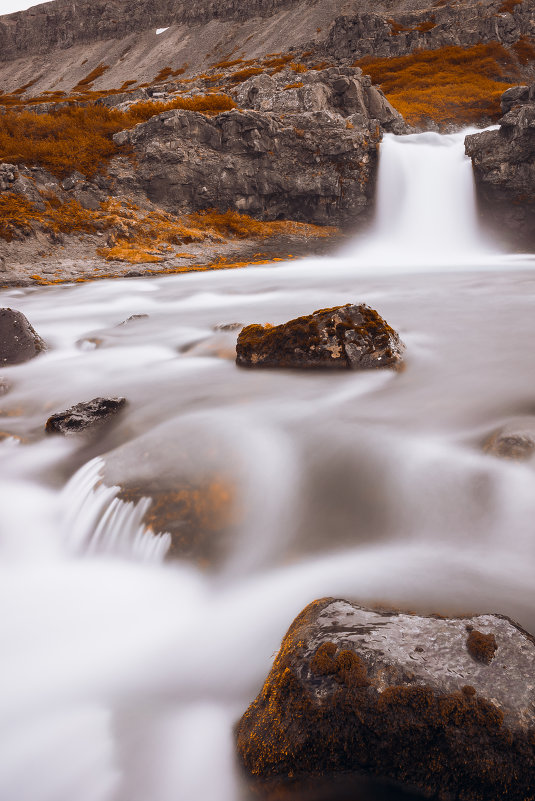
(122, 675)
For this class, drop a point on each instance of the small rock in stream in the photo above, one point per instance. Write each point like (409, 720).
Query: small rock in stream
(350, 337)
(443, 706)
(515, 441)
(84, 415)
(19, 342)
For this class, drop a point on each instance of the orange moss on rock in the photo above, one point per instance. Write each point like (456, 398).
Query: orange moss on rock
(449, 85)
(508, 6)
(327, 714)
(481, 646)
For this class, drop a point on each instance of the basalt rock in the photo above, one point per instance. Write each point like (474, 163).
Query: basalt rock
(345, 338)
(312, 166)
(444, 706)
(504, 169)
(19, 342)
(84, 415)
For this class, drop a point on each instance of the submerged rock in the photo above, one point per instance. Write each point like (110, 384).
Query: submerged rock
(445, 706)
(344, 337)
(515, 441)
(84, 415)
(19, 342)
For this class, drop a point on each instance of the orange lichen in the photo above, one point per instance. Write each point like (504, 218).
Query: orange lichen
(451, 84)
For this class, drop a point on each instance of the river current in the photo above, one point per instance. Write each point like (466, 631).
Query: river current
(122, 672)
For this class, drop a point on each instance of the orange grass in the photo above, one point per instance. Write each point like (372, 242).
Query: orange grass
(524, 50)
(452, 84)
(81, 138)
(89, 79)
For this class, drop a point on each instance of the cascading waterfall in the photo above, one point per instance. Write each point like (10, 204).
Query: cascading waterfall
(426, 205)
(123, 673)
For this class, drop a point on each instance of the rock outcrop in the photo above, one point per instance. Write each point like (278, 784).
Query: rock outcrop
(445, 706)
(307, 152)
(504, 169)
(84, 415)
(19, 342)
(345, 338)
(515, 440)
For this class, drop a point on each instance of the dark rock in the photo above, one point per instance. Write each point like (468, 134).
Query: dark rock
(511, 97)
(19, 342)
(315, 166)
(344, 337)
(84, 415)
(504, 168)
(398, 696)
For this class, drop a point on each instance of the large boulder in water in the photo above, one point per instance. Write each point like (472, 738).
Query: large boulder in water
(444, 706)
(344, 337)
(82, 416)
(19, 342)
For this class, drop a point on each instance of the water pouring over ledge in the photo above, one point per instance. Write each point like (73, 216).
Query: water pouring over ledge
(123, 675)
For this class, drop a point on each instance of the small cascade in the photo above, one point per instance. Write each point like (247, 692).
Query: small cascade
(426, 205)
(96, 521)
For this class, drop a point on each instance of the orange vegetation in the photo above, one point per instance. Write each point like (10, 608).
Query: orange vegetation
(248, 72)
(297, 85)
(452, 84)
(508, 6)
(81, 138)
(86, 82)
(524, 50)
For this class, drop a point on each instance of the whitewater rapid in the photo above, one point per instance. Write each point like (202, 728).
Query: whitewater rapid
(123, 673)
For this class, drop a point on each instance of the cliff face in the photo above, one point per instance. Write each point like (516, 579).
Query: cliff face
(64, 23)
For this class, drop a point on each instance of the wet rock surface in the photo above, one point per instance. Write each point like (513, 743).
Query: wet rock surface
(351, 337)
(85, 415)
(404, 697)
(19, 342)
(504, 169)
(514, 441)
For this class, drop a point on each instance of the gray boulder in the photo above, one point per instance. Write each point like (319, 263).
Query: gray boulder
(445, 706)
(345, 338)
(19, 342)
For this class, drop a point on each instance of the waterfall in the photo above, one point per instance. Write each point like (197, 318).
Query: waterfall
(426, 211)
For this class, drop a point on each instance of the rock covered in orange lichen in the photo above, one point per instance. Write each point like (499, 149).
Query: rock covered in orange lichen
(359, 692)
(344, 337)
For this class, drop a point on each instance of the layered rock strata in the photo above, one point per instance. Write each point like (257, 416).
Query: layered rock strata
(440, 705)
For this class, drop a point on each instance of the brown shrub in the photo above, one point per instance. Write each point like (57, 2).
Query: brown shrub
(243, 75)
(451, 84)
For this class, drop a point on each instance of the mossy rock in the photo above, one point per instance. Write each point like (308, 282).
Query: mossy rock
(343, 337)
(358, 692)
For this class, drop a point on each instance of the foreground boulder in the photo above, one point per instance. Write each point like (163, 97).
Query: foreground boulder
(344, 337)
(19, 342)
(442, 706)
(84, 415)
(504, 169)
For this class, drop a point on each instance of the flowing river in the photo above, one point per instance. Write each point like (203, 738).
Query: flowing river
(123, 672)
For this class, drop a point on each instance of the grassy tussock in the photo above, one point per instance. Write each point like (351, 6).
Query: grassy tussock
(451, 84)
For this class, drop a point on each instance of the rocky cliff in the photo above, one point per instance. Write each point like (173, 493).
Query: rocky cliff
(504, 169)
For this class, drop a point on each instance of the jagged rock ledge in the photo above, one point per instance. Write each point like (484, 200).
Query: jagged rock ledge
(445, 706)
(504, 169)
